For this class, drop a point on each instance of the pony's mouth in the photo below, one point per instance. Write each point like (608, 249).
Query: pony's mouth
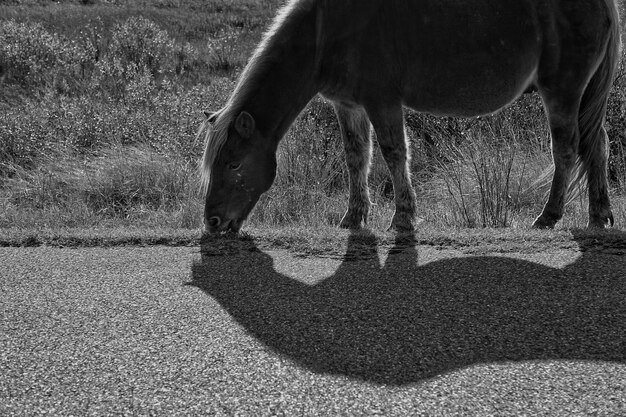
(233, 225)
(231, 221)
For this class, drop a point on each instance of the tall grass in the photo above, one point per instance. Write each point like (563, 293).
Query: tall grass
(131, 184)
(489, 181)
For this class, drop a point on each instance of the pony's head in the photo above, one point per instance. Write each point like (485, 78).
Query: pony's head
(239, 165)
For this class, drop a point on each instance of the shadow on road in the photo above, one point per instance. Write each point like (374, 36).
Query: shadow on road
(399, 322)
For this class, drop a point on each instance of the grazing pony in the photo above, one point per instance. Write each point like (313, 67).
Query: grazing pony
(445, 57)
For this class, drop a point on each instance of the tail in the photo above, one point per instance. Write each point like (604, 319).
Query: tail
(593, 106)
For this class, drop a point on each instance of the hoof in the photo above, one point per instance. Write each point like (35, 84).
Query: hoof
(601, 222)
(352, 222)
(544, 222)
(402, 223)
(400, 228)
(350, 225)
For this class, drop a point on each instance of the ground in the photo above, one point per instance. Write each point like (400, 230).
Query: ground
(288, 323)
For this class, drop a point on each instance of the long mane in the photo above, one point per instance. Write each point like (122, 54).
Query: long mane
(216, 133)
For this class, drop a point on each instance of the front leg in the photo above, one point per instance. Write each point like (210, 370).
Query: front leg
(388, 122)
(355, 132)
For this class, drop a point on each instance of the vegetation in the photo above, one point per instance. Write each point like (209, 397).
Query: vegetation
(100, 102)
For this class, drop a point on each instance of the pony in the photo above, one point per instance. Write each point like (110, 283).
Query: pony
(444, 57)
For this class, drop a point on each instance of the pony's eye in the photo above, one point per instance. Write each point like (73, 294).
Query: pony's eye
(234, 166)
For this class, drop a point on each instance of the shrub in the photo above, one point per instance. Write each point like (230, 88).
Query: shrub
(187, 58)
(225, 52)
(166, 120)
(140, 43)
(91, 40)
(139, 55)
(32, 57)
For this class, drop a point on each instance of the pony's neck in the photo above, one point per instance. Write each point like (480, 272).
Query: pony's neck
(281, 77)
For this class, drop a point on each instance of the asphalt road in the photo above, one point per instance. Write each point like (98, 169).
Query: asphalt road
(386, 331)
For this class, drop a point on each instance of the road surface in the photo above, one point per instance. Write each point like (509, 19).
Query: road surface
(399, 330)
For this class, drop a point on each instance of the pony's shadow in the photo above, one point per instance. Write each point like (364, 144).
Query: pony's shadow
(400, 322)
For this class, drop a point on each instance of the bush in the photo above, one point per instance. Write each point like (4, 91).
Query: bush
(140, 43)
(166, 120)
(22, 140)
(139, 56)
(32, 57)
(224, 51)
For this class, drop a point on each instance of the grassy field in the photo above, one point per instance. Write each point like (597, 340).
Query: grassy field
(100, 102)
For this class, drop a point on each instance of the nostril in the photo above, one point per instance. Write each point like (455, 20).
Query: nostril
(214, 221)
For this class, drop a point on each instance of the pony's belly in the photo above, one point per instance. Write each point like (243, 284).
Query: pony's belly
(477, 93)
(471, 105)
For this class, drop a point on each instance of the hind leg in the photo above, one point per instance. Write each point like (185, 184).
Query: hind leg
(355, 132)
(389, 126)
(563, 120)
(599, 205)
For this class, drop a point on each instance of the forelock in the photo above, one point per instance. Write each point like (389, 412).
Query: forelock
(215, 136)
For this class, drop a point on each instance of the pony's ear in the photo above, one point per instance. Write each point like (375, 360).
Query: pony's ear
(244, 124)
(211, 116)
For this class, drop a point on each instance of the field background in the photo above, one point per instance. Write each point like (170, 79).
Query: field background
(100, 102)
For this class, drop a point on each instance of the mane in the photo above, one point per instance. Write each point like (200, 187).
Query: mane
(216, 133)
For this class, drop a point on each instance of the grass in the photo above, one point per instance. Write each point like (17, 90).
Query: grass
(98, 130)
(317, 241)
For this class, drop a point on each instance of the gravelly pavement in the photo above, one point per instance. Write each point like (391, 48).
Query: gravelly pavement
(406, 330)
